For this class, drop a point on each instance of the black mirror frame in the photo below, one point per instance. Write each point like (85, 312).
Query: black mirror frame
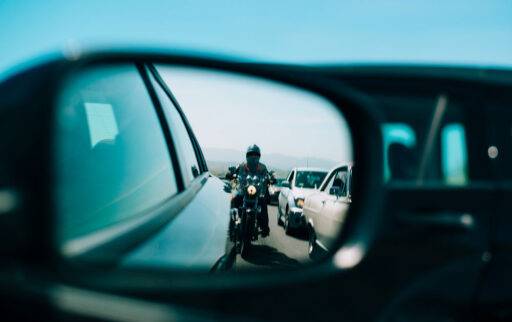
(37, 243)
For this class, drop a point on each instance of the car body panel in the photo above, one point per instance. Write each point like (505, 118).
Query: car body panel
(325, 213)
(177, 244)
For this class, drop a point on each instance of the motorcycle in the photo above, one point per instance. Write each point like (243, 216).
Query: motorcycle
(244, 224)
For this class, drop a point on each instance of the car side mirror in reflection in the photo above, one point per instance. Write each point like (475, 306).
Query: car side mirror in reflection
(195, 171)
(335, 191)
(285, 184)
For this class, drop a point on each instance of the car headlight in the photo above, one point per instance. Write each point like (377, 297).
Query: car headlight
(251, 190)
(299, 202)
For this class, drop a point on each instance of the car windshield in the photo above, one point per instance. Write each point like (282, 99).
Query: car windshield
(309, 179)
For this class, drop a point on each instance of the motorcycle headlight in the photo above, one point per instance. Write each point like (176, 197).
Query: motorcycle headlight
(251, 190)
(299, 202)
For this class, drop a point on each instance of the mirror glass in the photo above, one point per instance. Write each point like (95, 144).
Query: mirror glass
(197, 169)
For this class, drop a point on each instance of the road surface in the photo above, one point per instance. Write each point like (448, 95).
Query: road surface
(278, 250)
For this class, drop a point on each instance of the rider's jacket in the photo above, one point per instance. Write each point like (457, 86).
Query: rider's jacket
(261, 171)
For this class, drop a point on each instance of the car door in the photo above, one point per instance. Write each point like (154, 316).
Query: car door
(315, 203)
(312, 207)
(326, 222)
(334, 208)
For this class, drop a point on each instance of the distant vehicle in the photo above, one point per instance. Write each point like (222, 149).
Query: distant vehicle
(300, 183)
(325, 211)
(274, 191)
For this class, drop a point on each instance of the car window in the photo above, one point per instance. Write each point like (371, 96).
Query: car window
(309, 179)
(394, 135)
(454, 154)
(342, 182)
(402, 159)
(328, 186)
(428, 144)
(339, 180)
(112, 161)
(186, 154)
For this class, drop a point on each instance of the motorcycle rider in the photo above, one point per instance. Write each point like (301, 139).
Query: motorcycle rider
(253, 166)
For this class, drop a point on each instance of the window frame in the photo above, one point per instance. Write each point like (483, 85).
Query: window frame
(330, 176)
(328, 183)
(203, 167)
(181, 140)
(291, 177)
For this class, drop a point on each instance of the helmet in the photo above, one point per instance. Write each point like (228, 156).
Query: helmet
(253, 150)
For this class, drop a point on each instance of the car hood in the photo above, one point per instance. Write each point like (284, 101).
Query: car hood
(303, 192)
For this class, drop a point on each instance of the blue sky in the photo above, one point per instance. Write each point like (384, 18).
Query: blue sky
(464, 32)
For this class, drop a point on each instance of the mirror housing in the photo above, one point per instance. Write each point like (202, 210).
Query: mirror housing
(285, 184)
(27, 167)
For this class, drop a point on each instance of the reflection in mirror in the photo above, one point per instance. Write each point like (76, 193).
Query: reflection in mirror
(214, 171)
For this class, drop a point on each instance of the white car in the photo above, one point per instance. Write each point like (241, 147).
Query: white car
(325, 211)
(300, 183)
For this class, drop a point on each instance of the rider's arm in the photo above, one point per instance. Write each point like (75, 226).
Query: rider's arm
(270, 176)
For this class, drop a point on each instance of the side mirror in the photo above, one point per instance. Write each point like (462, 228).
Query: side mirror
(84, 193)
(335, 191)
(195, 171)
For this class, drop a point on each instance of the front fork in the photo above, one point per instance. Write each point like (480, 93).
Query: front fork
(238, 226)
(235, 225)
(252, 227)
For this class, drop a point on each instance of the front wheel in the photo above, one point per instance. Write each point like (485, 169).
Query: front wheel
(245, 249)
(247, 224)
(238, 241)
(279, 218)
(287, 228)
